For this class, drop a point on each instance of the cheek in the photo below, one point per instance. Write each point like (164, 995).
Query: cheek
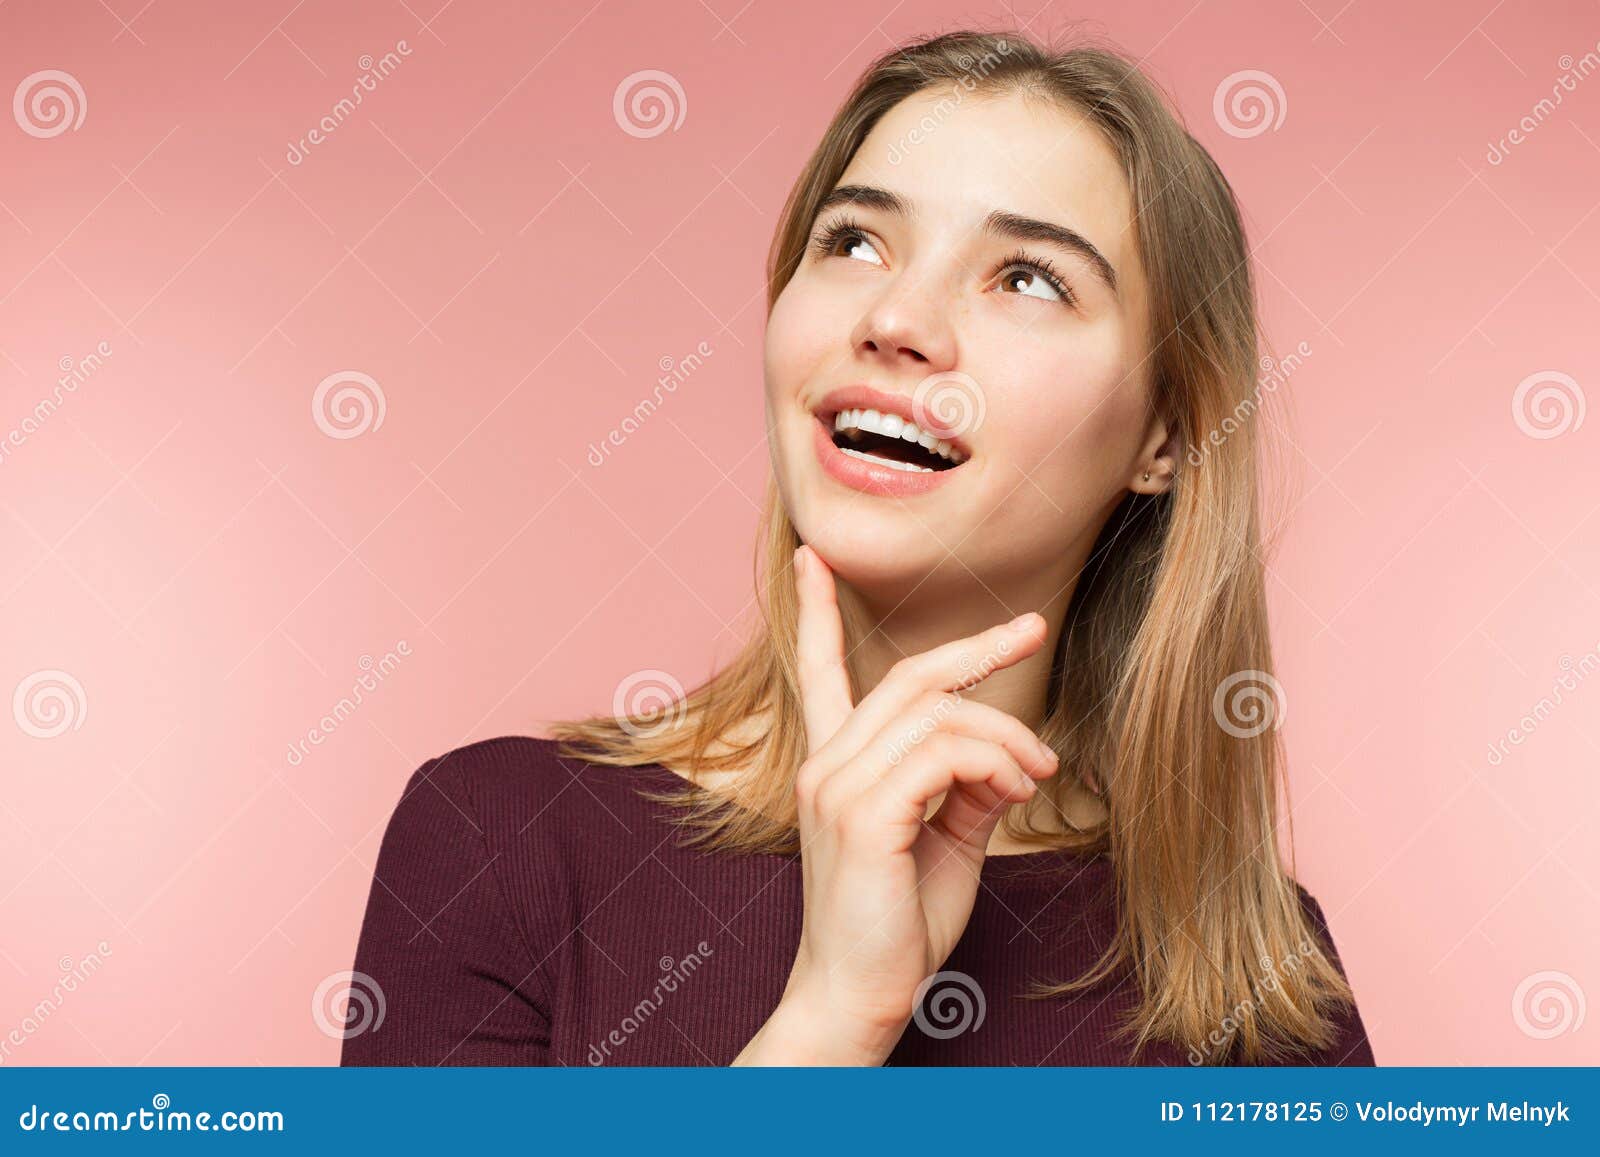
(794, 343)
(1076, 426)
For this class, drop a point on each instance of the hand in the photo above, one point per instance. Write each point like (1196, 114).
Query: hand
(889, 891)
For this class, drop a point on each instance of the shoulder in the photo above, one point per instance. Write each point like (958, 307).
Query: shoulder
(520, 798)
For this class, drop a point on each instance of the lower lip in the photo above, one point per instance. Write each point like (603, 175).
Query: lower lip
(870, 479)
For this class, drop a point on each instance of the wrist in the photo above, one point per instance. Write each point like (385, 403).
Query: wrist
(801, 1031)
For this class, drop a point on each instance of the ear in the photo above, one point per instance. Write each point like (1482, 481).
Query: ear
(1158, 456)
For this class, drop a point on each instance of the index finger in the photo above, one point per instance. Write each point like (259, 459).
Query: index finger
(819, 650)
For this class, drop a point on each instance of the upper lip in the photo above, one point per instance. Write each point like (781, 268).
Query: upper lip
(864, 397)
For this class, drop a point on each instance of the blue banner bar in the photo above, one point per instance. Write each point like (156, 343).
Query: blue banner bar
(702, 1111)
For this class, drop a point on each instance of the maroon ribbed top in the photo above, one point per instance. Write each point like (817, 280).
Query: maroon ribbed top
(534, 910)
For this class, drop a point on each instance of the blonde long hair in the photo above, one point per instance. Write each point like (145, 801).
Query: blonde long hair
(1168, 616)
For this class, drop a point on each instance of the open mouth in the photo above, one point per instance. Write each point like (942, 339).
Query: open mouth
(890, 440)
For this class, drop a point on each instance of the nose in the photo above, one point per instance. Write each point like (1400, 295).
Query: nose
(909, 324)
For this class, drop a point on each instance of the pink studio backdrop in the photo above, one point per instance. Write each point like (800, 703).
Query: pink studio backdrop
(204, 549)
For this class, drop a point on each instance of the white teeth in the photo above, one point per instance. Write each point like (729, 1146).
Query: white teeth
(894, 426)
(876, 461)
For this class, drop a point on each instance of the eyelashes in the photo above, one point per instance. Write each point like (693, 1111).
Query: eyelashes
(832, 233)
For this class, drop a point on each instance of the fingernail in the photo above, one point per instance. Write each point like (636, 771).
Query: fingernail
(1022, 622)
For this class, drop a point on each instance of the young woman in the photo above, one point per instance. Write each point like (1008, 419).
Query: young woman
(981, 790)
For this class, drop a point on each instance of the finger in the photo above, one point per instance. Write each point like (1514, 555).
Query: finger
(951, 713)
(819, 650)
(943, 763)
(948, 667)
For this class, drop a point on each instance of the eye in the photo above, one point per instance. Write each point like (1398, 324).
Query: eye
(844, 230)
(1038, 277)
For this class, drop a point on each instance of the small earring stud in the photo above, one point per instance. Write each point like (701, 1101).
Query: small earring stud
(1147, 475)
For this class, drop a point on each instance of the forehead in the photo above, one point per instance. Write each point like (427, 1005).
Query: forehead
(958, 155)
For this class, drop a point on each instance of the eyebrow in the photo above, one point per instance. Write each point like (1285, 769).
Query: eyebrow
(999, 223)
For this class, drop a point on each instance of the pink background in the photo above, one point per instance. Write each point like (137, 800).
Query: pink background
(512, 269)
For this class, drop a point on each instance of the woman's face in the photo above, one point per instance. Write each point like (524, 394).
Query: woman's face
(1043, 384)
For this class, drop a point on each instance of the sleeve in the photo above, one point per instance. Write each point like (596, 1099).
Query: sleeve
(1350, 1046)
(441, 965)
